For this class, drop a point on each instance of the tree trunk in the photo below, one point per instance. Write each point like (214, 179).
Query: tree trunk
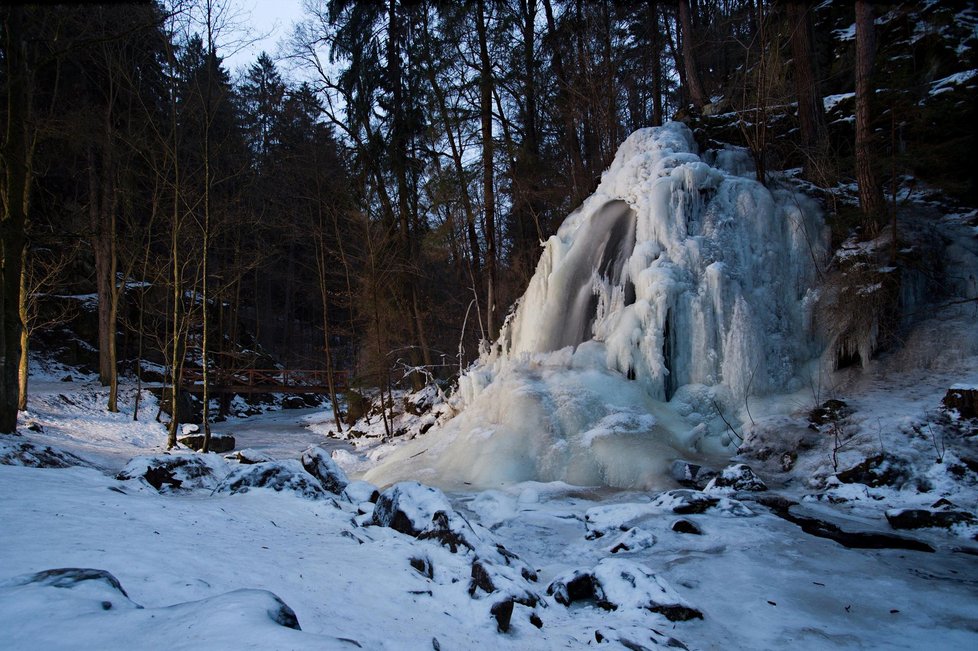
(870, 190)
(697, 96)
(16, 194)
(657, 113)
(811, 112)
(488, 183)
(572, 143)
(22, 369)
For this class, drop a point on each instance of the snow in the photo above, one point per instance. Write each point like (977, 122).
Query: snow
(831, 101)
(208, 567)
(675, 291)
(947, 84)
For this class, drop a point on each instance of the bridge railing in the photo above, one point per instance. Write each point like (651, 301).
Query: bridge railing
(271, 378)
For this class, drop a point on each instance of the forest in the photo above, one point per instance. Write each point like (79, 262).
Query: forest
(373, 201)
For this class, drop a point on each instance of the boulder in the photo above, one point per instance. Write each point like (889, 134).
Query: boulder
(685, 502)
(962, 398)
(691, 475)
(735, 478)
(942, 514)
(412, 508)
(617, 583)
(166, 472)
(690, 502)
(293, 402)
(878, 470)
(359, 492)
(220, 443)
(15, 451)
(830, 411)
(249, 456)
(686, 526)
(279, 476)
(320, 465)
(633, 540)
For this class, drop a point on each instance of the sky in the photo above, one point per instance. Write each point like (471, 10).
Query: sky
(270, 19)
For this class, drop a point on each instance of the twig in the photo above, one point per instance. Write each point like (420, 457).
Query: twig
(726, 422)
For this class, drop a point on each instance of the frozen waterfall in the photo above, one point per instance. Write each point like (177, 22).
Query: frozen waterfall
(676, 287)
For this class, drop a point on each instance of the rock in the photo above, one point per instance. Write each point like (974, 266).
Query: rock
(421, 402)
(688, 502)
(781, 507)
(735, 478)
(320, 465)
(788, 460)
(830, 411)
(277, 475)
(686, 526)
(176, 471)
(249, 456)
(71, 577)
(423, 567)
(68, 378)
(412, 508)
(15, 451)
(878, 470)
(963, 399)
(633, 540)
(944, 518)
(503, 612)
(691, 475)
(219, 443)
(617, 583)
(685, 502)
(293, 402)
(359, 492)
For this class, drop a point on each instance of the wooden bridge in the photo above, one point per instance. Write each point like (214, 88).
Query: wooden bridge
(275, 380)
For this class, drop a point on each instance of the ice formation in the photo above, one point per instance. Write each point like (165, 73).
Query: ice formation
(676, 290)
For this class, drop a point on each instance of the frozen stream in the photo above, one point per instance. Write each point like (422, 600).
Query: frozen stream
(281, 434)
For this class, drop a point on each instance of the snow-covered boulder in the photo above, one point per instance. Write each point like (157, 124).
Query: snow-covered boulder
(943, 514)
(963, 399)
(177, 471)
(688, 502)
(617, 583)
(249, 456)
(320, 465)
(359, 492)
(88, 608)
(15, 451)
(633, 540)
(413, 509)
(735, 478)
(287, 476)
(878, 470)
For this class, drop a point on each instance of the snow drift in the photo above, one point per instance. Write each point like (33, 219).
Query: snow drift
(676, 290)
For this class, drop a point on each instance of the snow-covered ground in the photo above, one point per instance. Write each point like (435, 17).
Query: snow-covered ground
(197, 562)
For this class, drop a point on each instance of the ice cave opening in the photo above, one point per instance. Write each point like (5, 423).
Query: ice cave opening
(682, 284)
